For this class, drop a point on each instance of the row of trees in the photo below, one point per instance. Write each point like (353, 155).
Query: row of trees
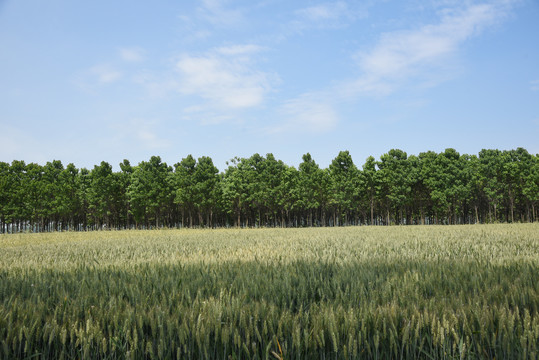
(431, 188)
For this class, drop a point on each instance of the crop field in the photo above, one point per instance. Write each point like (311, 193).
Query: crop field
(427, 292)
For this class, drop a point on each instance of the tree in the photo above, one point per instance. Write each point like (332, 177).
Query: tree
(491, 170)
(55, 197)
(311, 191)
(235, 190)
(418, 191)
(531, 188)
(101, 194)
(83, 195)
(433, 187)
(446, 184)
(475, 185)
(34, 195)
(516, 166)
(369, 184)
(70, 207)
(185, 192)
(15, 208)
(206, 189)
(394, 183)
(4, 195)
(344, 178)
(123, 181)
(275, 189)
(256, 200)
(150, 192)
(286, 193)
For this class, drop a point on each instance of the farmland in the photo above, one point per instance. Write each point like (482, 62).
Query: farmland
(469, 291)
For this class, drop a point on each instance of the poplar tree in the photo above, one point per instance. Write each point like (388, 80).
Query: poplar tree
(150, 192)
(344, 177)
(394, 184)
(311, 192)
(206, 190)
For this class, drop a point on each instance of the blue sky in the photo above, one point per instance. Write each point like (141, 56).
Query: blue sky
(86, 81)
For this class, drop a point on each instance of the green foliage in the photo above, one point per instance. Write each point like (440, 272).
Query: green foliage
(394, 182)
(150, 191)
(462, 292)
(206, 189)
(344, 181)
(431, 188)
(312, 188)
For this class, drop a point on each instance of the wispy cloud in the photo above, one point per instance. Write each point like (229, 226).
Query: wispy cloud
(133, 54)
(225, 76)
(311, 113)
(218, 14)
(414, 54)
(105, 74)
(326, 11)
(233, 50)
(334, 14)
(208, 18)
(534, 85)
(143, 132)
(97, 76)
(191, 29)
(398, 58)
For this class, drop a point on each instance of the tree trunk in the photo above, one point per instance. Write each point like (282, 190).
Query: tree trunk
(372, 211)
(183, 217)
(512, 205)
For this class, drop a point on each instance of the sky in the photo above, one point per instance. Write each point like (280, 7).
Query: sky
(91, 81)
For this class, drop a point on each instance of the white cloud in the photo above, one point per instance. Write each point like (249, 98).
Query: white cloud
(105, 74)
(336, 14)
(225, 77)
(144, 132)
(90, 79)
(132, 54)
(191, 30)
(216, 13)
(313, 113)
(150, 139)
(156, 86)
(403, 55)
(327, 11)
(534, 85)
(239, 49)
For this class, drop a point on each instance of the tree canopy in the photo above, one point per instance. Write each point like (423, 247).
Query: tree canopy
(430, 188)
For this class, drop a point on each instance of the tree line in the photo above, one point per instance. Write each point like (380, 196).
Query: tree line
(431, 188)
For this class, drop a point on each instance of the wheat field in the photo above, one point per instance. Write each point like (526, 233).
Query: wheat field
(422, 292)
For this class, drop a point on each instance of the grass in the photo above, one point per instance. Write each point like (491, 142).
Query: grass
(322, 293)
